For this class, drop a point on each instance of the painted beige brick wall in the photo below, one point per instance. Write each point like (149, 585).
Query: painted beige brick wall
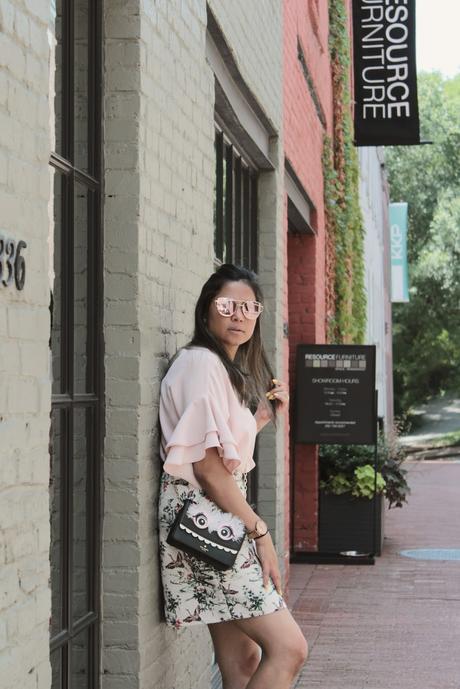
(257, 47)
(120, 551)
(158, 249)
(176, 252)
(24, 361)
(159, 158)
(273, 277)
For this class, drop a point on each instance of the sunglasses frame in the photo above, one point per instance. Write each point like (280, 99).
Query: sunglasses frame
(239, 302)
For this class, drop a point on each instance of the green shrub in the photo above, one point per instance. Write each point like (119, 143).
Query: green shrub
(350, 468)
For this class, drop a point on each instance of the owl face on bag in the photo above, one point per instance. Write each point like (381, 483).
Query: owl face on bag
(212, 526)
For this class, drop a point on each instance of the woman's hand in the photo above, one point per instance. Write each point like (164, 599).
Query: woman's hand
(269, 560)
(279, 392)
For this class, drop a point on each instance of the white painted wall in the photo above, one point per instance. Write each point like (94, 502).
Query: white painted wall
(374, 204)
(25, 389)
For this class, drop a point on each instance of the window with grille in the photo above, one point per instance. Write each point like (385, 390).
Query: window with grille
(235, 207)
(76, 304)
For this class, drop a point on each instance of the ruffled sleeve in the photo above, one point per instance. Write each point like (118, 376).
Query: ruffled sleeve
(194, 414)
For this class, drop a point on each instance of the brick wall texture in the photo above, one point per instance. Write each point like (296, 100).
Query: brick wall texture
(307, 118)
(159, 188)
(24, 361)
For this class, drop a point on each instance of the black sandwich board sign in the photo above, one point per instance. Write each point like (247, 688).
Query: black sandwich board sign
(335, 395)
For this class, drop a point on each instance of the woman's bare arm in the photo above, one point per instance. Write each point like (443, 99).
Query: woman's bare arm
(221, 487)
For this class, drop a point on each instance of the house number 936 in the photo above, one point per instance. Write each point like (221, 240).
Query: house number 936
(12, 263)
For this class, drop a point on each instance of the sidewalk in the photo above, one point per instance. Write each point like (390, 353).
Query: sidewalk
(394, 625)
(436, 418)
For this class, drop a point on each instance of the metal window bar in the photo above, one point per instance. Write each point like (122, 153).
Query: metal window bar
(229, 203)
(67, 400)
(235, 230)
(253, 260)
(219, 200)
(246, 230)
(238, 210)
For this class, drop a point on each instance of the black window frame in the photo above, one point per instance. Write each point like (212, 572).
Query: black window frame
(235, 207)
(69, 400)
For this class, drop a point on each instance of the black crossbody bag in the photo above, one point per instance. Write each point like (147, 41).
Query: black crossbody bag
(207, 533)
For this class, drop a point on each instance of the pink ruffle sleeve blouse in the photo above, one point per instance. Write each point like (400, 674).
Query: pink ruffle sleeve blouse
(200, 409)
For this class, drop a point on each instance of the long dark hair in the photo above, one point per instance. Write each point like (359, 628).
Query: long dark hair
(250, 372)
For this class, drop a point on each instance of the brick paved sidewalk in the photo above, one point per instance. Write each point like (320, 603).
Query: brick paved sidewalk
(394, 625)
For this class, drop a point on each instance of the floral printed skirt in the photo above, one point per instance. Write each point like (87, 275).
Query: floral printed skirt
(194, 591)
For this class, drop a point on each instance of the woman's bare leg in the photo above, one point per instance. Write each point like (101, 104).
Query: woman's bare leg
(237, 655)
(284, 649)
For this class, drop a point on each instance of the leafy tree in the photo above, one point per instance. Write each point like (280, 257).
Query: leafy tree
(427, 330)
(418, 174)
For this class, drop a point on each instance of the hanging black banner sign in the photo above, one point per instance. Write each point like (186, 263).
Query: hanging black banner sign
(335, 394)
(386, 107)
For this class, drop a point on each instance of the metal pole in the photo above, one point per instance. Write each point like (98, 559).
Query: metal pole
(376, 440)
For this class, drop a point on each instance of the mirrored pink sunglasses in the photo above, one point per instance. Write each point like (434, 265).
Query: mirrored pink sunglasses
(227, 307)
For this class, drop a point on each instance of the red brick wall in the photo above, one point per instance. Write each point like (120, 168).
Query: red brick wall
(306, 23)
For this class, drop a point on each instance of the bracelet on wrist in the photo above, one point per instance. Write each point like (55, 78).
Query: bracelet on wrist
(261, 535)
(260, 529)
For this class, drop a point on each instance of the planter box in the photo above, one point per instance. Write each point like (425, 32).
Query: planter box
(346, 523)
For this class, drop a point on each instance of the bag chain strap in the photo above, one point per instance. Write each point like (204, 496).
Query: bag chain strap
(244, 477)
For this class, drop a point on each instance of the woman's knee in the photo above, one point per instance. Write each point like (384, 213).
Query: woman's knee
(242, 665)
(249, 662)
(291, 652)
(299, 652)
(281, 639)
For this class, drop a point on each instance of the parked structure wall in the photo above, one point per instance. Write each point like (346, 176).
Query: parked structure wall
(24, 361)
